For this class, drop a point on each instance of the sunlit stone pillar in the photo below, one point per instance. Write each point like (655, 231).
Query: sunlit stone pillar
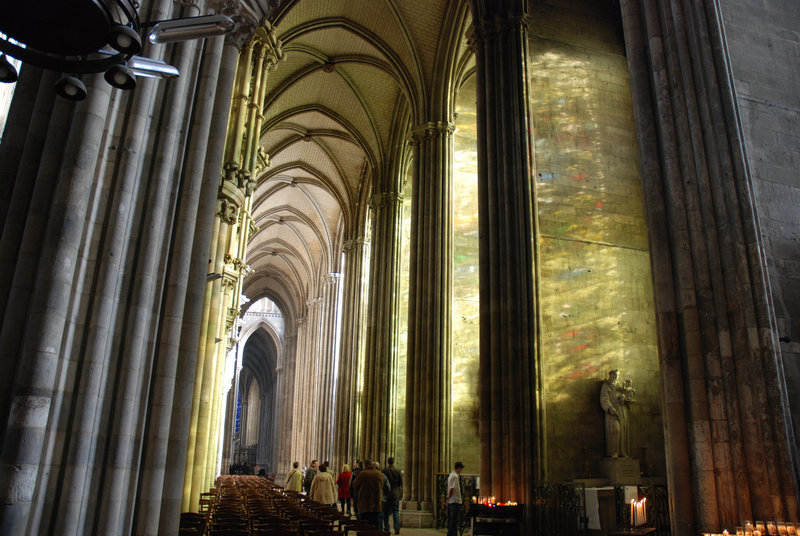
(227, 255)
(730, 451)
(326, 369)
(510, 425)
(381, 345)
(285, 401)
(312, 379)
(164, 452)
(346, 421)
(298, 381)
(427, 448)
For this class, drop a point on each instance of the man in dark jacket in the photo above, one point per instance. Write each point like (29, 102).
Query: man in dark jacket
(311, 472)
(391, 503)
(357, 468)
(368, 487)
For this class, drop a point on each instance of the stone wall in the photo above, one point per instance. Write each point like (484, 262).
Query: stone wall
(595, 288)
(764, 47)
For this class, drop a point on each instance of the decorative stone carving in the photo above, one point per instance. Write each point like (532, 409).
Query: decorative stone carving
(615, 397)
(383, 199)
(430, 130)
(481, 30)
(228, 211)
(331, 278)
(230, 172)
(262, 160)
(350, 245)
(313, 303)
(245, 23)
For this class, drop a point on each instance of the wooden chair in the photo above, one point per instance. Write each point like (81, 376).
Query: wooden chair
(228, 532)
(273, 532)
(192, 523)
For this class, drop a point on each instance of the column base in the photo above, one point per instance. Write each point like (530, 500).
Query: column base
(417, 515)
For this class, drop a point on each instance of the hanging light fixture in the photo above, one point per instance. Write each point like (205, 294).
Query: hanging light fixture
(121, 76)
(8, 73)
(71, 88)
(169, 31)
(91, 36)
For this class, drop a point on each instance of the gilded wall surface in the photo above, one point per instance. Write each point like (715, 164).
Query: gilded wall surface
(595, 289)
(402, 323)
(465, 321)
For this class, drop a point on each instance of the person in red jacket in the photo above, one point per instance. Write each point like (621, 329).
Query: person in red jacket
(343, 482)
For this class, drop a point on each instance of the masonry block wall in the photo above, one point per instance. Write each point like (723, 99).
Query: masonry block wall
(764, 46)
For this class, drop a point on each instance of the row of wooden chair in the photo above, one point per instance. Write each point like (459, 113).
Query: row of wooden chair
(243, 505)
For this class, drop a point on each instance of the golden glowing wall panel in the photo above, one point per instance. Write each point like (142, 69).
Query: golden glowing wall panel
(596, 304)
(466, 306)
(402, 323)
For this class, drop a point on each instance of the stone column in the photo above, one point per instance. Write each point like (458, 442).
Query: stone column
(285, 402)
(325, 369)
(346, 422)
(511, 432)
(159, 473)
(729, 448)
(30, 386)
(312, 379)
(427, 449)
(381, 346)
(258, 57)
(297, 381)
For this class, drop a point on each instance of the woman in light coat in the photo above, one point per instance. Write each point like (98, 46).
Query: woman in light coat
(323, 490)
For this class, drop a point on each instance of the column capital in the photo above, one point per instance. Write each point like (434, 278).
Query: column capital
(430, 130)
(270, 48)
(350, 245)
(245, 23)
(382, 199)
(314, 303)
(331, 278)
(490, 28)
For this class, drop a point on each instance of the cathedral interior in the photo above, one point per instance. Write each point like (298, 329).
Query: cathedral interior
(427, 230)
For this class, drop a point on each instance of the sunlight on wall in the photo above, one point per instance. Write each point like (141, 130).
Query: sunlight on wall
(402, 318)
(595, 289)
(466, 304)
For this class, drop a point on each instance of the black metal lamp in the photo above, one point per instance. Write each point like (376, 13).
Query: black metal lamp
(8, 73)
(91, 36)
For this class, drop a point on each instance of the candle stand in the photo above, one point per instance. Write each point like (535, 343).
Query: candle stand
(495, 520)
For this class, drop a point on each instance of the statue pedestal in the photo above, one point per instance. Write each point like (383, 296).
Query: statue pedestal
(622, 470)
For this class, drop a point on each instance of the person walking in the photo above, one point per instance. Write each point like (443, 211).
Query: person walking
(294, 480)
(359, 466)
(343, 483)
(391, 504)
(323, 490)
(454, 506)
(311, 472)
(368, 488)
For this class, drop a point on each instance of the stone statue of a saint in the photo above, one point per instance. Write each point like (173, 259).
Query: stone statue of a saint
(615, 397)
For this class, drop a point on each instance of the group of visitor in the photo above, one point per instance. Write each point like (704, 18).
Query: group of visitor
(366, 491)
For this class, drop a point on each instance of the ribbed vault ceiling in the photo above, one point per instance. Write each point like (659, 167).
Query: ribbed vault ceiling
(356, 74)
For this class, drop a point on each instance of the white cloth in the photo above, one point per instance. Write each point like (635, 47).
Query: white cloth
(593, 509)
(631, 494)
(454, 484)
